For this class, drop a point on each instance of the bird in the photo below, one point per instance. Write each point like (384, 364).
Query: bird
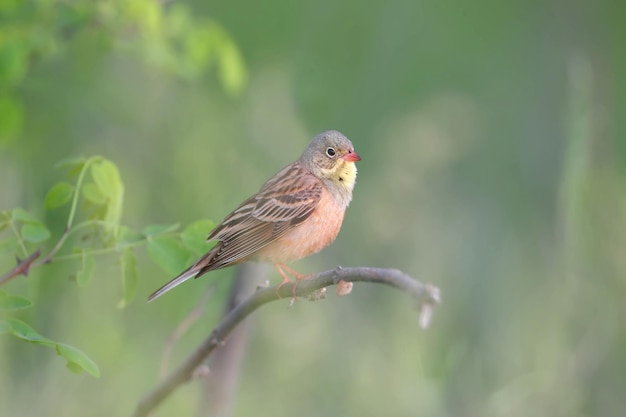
(296, 213)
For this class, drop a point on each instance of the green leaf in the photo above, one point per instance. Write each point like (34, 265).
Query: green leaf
(127, 236)
(74, 367)
(19, 214)
(23, 331)
(129, 277)
(73, 164)
(13, 302)
(107, 178)
(77, 361)
(83, 276)
(60, 194)
(92, 193)
(169, 254)
(194, 236)
(35, 232)
(157, 229)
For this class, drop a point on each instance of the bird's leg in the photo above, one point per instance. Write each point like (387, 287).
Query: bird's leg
(298, 276)
(279, 267)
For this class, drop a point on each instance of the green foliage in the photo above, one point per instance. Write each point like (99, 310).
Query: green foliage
(103, 196)
(12, 302)
(21, 215)
(59, 195)
(169, 253)
(157, 229)
(35, 232)
(171, 39)
(128, 237)
(26, 228)
(494, 166)
(92, 193)
(106, 178)
(77, 361)
(194, 236)
(88, 265)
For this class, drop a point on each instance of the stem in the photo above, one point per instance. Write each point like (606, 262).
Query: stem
(19, 237)
(64, 237)
(22, 268)
(102, 251)
(79, 184)
(66, 233)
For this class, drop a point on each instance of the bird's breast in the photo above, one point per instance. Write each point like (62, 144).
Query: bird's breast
(309, 237)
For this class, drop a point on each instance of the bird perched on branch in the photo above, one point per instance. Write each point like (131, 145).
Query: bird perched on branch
(296, 213)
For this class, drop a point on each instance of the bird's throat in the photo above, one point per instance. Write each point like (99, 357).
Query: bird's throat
(341, 180)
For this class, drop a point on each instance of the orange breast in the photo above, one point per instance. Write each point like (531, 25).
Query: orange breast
(313, 235)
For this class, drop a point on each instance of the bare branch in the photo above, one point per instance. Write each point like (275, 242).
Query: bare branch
(427, 296)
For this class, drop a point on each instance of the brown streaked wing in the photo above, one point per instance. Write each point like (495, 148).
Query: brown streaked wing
(284, 201)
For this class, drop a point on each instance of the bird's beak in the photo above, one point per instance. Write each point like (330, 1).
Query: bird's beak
(351, 156)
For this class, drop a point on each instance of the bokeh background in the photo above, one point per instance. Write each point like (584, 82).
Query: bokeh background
(494, 166)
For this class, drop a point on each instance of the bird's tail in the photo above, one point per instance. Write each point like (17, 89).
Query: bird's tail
(201, 266)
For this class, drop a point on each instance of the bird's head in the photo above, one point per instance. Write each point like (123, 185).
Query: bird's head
(330, 157)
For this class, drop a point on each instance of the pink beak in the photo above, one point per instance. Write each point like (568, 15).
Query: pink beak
(351, 156)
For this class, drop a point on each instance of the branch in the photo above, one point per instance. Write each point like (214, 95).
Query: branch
(426, 295)
(55, 249)
(22, 267)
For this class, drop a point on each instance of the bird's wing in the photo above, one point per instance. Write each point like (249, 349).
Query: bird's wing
(284, 201)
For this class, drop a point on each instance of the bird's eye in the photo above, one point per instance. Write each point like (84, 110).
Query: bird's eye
(330, 152)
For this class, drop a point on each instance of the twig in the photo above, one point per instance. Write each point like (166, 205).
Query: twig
(22, 267)
(427, 296)
(48, 258)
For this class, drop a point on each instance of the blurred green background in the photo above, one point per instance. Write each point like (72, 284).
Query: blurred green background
(494, 166)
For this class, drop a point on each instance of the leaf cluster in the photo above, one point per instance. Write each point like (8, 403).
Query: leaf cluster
(168, 37)
(93, 192)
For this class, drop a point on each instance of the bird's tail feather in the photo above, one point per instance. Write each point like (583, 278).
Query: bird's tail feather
(195, 270)
(189, 273)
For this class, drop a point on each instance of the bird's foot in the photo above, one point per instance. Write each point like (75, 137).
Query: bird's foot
(298, 276)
